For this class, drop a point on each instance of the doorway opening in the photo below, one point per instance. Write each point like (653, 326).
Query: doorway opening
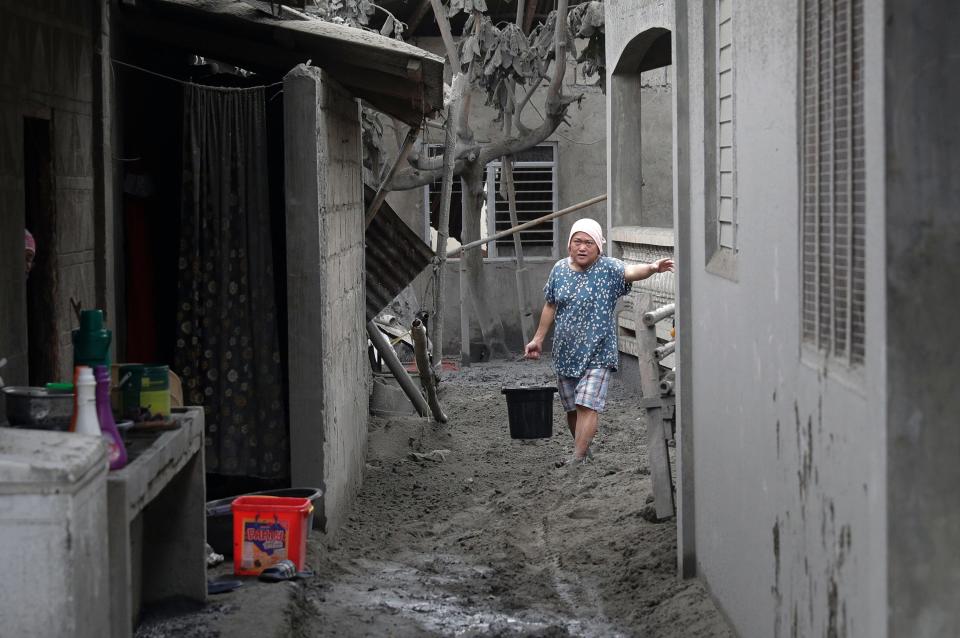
(43, 345)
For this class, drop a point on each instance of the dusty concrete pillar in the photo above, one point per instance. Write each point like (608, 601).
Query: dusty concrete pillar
(923, 257)
(53, 517)
(626, 181)
(325, 290)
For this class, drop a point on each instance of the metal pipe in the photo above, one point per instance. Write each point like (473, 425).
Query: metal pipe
(526, 225)
(661, 313)
(396, 368)
(664, 350)
(419, 334)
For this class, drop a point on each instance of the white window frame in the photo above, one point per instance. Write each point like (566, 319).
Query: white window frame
(491, 174)
(492, 168)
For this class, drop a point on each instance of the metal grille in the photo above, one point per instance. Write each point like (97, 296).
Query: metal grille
(833, 210)
(534, 178)
(726, 164)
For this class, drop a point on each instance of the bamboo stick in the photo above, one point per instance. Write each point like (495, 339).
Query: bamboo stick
(419, 333)
(526, 225)
(443, 216)
(661, 313)
(382, 191)
(665, 350)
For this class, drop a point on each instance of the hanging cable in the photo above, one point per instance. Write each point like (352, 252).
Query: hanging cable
(189, 83)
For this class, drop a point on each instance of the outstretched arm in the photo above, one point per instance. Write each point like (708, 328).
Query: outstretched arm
(636, 272)
(535, 347)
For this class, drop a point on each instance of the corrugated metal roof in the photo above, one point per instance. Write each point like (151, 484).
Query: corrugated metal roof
(395, 77)
(395, 256)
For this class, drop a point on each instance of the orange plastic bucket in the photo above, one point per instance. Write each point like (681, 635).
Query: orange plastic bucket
(268, 529)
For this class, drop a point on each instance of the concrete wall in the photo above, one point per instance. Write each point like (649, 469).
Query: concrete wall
(581, 174)
(782, 455)
(923, 257)
(639, 117)
(325, 270)
(50, 70)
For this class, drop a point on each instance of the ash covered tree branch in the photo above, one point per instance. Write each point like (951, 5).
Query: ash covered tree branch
(426, 170)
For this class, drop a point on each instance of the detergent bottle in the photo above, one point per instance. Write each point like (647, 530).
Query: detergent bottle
(116, 451)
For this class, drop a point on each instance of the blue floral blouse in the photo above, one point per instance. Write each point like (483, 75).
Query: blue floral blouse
(585, 333)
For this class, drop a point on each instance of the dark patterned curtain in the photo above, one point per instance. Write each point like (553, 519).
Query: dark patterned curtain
(227, 341)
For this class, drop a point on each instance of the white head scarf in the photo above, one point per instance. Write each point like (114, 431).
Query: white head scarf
(590, 227)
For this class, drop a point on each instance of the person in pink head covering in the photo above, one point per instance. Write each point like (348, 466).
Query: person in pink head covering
(29, 249)
(581, 294)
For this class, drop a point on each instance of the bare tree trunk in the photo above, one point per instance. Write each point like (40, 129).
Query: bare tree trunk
(490, 325)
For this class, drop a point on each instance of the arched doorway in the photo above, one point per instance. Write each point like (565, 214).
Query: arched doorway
(641, 133)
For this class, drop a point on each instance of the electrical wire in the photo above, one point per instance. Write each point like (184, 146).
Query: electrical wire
(188, 83)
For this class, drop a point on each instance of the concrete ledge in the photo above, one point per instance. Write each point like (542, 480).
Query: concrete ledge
(157, 523)
(150, 472)
(649, 235)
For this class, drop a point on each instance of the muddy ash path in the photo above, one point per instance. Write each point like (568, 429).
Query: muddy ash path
(485, 537)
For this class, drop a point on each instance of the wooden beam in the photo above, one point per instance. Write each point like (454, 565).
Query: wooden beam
(417, 16)
(657, 454)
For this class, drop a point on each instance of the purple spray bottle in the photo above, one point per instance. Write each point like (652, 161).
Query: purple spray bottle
(108, 427)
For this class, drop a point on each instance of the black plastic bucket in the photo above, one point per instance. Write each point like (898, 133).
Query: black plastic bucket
(530, 411)
(220, 516)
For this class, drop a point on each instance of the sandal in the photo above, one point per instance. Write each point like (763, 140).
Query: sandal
(283, 570)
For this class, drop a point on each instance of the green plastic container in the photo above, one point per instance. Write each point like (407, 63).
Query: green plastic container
(155, 390)
(91, 341)
(144, 387)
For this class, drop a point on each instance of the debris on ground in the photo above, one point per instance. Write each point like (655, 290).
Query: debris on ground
(433, 455)
(497, 543)
(501, 542)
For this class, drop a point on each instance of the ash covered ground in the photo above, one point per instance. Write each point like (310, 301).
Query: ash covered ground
(461, 530)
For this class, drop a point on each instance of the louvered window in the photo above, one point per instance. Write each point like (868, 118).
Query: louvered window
(726, 160)
(534, 179)
(833, 187)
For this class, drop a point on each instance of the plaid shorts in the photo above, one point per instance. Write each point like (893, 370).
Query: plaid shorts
(590, 390)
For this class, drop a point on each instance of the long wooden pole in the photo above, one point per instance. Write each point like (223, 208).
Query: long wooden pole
(526, 225)
(382, 191)
(464, 288)
(419, 334)
(388, 354)
(443, 219)
(520, 269)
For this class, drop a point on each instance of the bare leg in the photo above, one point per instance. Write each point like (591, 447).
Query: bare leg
(586, 428)
(572, 422)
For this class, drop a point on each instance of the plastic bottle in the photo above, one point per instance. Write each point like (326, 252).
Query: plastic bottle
(85, 419)
(116, 451)
(91, 341)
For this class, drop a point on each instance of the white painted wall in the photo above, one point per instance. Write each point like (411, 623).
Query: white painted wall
(782, 448)
(785, 457)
